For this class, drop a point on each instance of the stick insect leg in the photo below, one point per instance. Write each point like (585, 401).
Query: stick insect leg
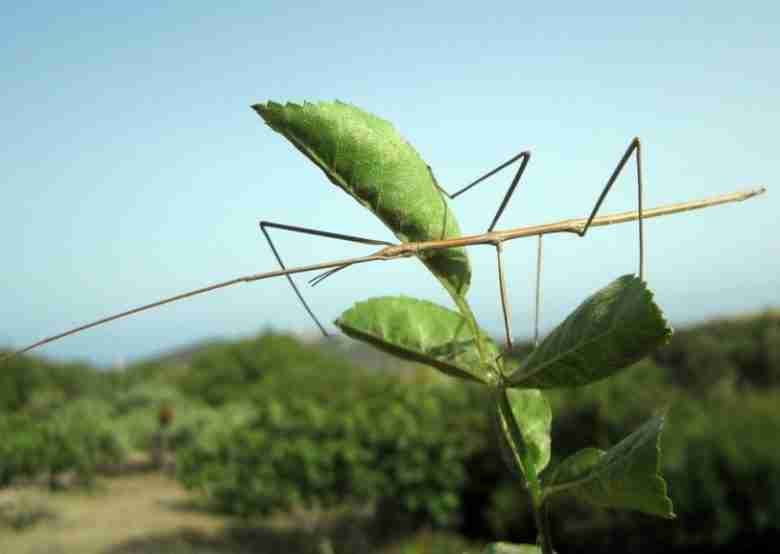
(504, 297)
(633, 147)
(525, 156)
(264, 225)
(504, 301)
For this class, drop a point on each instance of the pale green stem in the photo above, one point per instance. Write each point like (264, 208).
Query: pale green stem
(531, 479)
(542, 519)
(465, 310)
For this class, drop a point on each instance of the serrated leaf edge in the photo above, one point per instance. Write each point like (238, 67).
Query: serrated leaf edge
(339, 180)
(549, 490)
(511, 440)
(381, 344)
(333, 176)
(656, 309)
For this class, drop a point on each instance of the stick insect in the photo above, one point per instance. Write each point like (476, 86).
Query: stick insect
(366, 157)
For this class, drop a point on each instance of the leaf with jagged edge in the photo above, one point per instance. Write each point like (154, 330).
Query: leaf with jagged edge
(612, 329)
(420, 331)
(511, 548)
(366, 157)
(626, 476)
(523, 417)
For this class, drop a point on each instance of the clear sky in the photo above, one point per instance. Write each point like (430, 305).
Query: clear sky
(133, 168)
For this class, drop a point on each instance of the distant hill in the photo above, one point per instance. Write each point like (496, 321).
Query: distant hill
(744, 347)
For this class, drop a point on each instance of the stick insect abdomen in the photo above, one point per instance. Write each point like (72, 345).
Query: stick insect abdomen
(366, 157)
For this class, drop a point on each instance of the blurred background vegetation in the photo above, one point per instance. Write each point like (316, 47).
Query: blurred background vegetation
(327, 436)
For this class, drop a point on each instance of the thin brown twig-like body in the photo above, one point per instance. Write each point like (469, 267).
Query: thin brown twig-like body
(415, 248)
(568, 226)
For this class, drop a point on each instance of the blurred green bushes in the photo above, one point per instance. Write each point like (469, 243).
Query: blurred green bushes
(269, 424)
(745, 350)
(720, 459)
(77, 437)
(398, 446)
(316, 442)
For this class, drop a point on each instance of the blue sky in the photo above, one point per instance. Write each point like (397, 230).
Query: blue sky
(133, 168)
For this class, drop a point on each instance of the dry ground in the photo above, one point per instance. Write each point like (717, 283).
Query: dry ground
(150, 514)
(125, 515)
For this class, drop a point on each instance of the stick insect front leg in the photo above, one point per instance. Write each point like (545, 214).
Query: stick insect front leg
(265, 225)
(525, 156)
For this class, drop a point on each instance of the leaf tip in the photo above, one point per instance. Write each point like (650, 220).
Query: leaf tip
(656, 311)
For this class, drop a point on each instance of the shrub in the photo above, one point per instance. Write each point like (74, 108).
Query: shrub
(745, 350)
(224, 372)
(22, 450)
(80, 438)
(399, 447)
(722, 466)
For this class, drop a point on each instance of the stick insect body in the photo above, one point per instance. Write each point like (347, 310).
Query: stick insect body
(426, 250)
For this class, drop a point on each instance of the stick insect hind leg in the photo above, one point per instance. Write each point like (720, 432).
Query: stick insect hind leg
(634, 147)
(265, 225)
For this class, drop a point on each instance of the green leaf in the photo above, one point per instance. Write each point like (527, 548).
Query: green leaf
(614, 328)
(420, 331)
(510, 548)
(367, 158)
(627, 476)
(523, 417)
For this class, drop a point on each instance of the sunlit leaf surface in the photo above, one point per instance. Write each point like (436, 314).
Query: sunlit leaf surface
(524, 418)
(421, 331)
(510, 548)
(625, 476)
(366, 157)
(614, 328)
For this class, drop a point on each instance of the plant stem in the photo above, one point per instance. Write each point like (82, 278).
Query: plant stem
(465, 310)
(511, 437)
(542, 519)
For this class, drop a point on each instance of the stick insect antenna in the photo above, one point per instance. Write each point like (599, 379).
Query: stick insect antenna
(244, 279)
(317, 279)
(318, 233)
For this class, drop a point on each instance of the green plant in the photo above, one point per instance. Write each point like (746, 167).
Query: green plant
(79, 437)
(615, 327)
(22, 450)
(376, 442)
